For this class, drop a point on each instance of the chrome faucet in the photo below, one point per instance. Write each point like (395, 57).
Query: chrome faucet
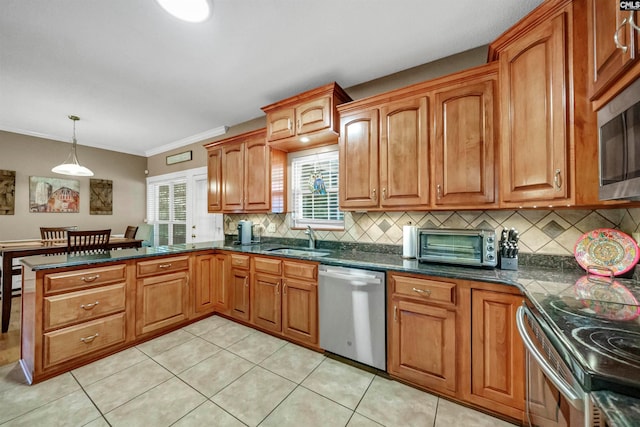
(312, 237)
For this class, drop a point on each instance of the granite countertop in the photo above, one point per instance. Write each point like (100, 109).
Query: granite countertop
(551, 289)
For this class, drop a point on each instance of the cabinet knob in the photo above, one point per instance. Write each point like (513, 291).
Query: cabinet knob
(88, 339)
(438, 191)
(90, 278)
(374, 195)
(384, 193)
(425, 292)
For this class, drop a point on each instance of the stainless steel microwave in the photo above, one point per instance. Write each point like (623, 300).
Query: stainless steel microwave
(458, 246)
(619, 145)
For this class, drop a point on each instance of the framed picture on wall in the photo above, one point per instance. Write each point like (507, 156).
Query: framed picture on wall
(57, 195)
(100, 197)
(7, 192)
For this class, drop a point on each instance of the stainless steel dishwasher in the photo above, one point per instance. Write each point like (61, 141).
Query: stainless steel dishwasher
(352, 314)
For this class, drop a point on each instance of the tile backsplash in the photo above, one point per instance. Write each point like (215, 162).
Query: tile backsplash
(549, 232)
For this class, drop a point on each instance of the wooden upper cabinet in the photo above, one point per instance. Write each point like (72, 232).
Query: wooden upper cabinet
(463, 144)
(311, 115)
(214, 173)
(246, 175)
(358, 186)
(534, 94)
(233, 177)
(608, 61)
(281, 124)
(404, 158)
(257, 173)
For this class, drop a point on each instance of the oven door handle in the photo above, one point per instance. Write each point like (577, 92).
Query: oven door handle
(563, 387)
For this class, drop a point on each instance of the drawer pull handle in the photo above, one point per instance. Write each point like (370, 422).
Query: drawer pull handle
(425, 292)
(89, 339)
(89, 306)
(90, 278)
(164, 265)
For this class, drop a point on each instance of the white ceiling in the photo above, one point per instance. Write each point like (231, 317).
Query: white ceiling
(143, 82)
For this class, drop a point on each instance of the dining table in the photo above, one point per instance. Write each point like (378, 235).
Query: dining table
(10, 250)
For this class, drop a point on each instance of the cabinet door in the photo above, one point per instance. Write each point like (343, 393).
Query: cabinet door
(233, 173)
(313, 115)
(161, 301)
(422, 345)
(204, 289)
(257, 170)
(404, 158)
(608, 60)
(463, 149)
(239, 285)
(214, 174)
(267, 302)
(359, 160)
(497, 362)
(281, 124)
(300, 310)
(534, 145)
(221, 283)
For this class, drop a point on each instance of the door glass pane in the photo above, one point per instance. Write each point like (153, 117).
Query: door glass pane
(180, 202)
(164, 203)
(179, 234)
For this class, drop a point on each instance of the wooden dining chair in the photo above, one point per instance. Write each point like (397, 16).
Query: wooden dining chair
(131, 232)
(88, 240)
(55, 233)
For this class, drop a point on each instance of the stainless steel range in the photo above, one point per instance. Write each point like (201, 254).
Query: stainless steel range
(583, 338)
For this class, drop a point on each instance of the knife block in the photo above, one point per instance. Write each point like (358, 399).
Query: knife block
(509, 263)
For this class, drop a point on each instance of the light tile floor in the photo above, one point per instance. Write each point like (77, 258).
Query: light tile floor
(218, 373)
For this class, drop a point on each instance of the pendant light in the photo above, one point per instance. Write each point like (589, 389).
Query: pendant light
(71, 165)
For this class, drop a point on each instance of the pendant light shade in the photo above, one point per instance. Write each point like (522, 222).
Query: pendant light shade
(71, 165)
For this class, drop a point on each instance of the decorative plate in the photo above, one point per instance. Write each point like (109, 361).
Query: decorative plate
(608, 249)
(610, 300)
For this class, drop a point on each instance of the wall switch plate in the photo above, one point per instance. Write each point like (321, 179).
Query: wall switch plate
(271, 228)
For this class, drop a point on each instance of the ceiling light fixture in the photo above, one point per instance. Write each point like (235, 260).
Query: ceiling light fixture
(71, 165)
(187, 10)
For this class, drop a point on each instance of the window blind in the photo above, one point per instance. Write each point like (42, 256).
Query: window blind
(167, 211)
(315, 191)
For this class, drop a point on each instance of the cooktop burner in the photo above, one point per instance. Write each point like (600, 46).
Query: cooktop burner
(618, 344)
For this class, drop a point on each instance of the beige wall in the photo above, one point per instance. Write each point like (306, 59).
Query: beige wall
(461, 61)
(31, 156)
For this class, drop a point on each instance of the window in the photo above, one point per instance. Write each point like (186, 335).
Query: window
(314, 190)
(168, 212)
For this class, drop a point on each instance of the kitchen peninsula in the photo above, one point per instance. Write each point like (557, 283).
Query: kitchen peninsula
(130, 295)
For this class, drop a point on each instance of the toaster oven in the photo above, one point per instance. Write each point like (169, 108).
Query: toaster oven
(458, 246)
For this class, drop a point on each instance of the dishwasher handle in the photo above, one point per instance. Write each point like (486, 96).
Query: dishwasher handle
(561, 384)
(368, 279)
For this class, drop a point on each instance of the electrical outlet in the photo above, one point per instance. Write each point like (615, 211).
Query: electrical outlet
(271, 228)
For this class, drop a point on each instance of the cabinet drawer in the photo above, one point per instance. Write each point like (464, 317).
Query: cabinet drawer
(75, 341)
(427, 289)
(300, 270)
(240, 261)
(163, 265)
(267, 265)
(65, 309)
(83, 278)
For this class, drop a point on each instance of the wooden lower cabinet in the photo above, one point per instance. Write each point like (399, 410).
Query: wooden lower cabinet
(204, 288)
(423, 344)
(161, 301)
(267, 303)
(497, 365)
(240, 294)
(284, 298)
(300, 310)
(457, 338)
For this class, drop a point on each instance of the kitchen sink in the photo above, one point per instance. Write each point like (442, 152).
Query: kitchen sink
(298, 252)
